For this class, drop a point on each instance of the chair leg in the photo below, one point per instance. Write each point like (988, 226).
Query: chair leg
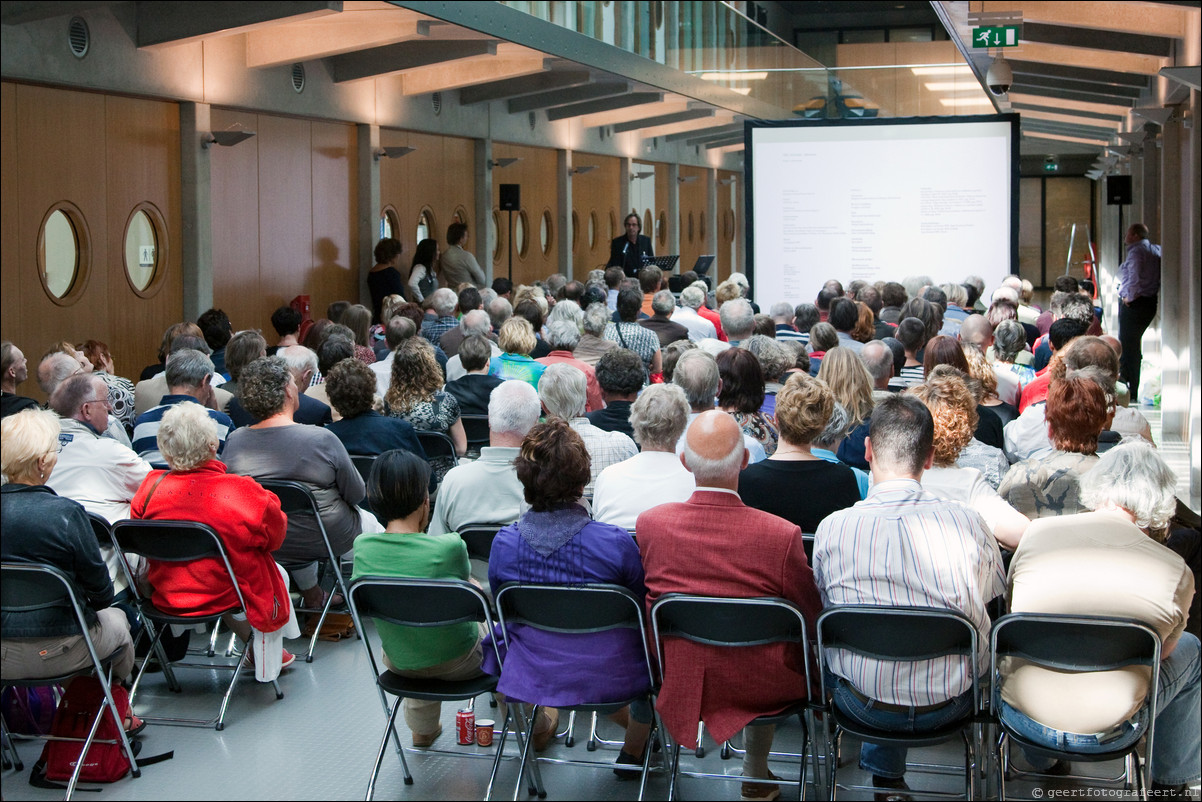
(647, 759)
(325, 611)
(213, 639)
(672, 776)
(700, 751)
(496, 763)
(375, 771)
(229, 691)
(527, 740)
(10, 747)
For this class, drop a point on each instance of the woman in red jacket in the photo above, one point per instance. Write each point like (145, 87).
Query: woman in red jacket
(246, 517)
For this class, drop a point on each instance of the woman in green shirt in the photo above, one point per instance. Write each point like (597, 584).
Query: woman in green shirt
(397, 491)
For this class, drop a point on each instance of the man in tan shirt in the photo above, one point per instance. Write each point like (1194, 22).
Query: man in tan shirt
(1107, 563)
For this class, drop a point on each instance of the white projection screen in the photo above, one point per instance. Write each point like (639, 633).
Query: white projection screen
(879, 200)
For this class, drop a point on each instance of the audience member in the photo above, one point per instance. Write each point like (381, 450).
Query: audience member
(847, 377)
(672, 354)
(517, 342)
(945, 350)
(302, 366)
(823, 338)
(360, 427)
(878, 359)
(383, 279)
(189, 374)
(562, 391)
(627, 333)
(149, 392)
(691, 299)
(287, 322)
(901, 525)
(592, 343)
(243, 348)
(663, 304)
(621, 375)
(332, 351)
(423, 279)
(188, 328)
(217, 330)
(563, 336)
(738, 320)
(357, 318)
(457, 265)
(15, 369)
(741, 393)
(121, 389)
(697, 374)
(417, 395)
(831, 438)
(1062, 332)
(775, 363)
(472, 389)
(714, 545)
(443, 301)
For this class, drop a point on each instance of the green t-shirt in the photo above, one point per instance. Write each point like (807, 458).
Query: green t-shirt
(426, 557)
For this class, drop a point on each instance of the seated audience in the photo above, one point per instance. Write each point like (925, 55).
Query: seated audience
(277, 447)
(592, 343)
(741, 393)
(804, 318)
(878, 359)
(1009, 352)
(621, 375)
(397, 491)
(562, 391)
(713, 545)
(913, 339)
(691, 299)
(556, 542)
(333, 350)
(663, 304)
(474, 323)
(416, 395)
(243, 348)
(246, 517)
(443, 301)
(655, 475)
(487, 490)
(14, 369)
(39, 526)
(287, 322)
(396, 330)
(737, 315)
(822, 339)
(189, 376)
(563, 336)
(950, 561)
(1048, 485)
(362, 430)
(149, 392)
(803, 408)
(697, 374)
(953, 408)
(121, 390)
(517, 342)
(302, 366)
(472, 389)
(1110, 562)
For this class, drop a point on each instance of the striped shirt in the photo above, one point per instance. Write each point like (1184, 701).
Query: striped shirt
(146, 428)
(903, 546)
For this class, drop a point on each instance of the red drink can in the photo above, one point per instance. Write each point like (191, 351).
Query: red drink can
(465, 726)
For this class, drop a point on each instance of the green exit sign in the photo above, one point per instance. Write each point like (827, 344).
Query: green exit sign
(996, 36)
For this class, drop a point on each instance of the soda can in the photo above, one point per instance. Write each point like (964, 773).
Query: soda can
(484, 732)
(465, 726)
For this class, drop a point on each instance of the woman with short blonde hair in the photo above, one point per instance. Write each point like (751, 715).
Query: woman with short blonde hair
(517, 340)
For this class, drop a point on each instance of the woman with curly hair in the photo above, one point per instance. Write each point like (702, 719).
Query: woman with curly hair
(844, 372)
(945, 350)
(865, 328)
(1048, 485)
(121, 390)
(742, 394)
(557, 542)
(416, 395)
(351, 387)
(980, 369)
(953, 409)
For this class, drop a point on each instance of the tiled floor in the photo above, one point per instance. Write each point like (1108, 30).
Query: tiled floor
(320, 740)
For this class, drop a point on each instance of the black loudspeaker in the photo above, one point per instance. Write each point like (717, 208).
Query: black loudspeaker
(1118, 190)
(511, 197)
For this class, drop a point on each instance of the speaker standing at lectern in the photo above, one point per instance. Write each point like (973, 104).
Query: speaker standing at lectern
(628, 250)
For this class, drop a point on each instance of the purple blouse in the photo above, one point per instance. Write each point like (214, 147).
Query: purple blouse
(562, 670)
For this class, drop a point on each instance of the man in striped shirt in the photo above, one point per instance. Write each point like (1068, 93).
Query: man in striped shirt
(902, 546)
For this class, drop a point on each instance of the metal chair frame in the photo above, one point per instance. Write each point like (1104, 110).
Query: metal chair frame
(1080, 644)
(578, 609)
(178, 541)
(478, 538)
(738, 623)
(296, 498)
(415, 602)
(901, 634)
(475, 427)
(363, 463)
(26, 587)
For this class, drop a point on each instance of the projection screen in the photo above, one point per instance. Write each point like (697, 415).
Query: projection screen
(879, 200)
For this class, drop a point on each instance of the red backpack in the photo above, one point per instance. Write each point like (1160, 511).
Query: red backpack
(104, 762)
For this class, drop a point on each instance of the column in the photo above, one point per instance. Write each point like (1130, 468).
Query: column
(195, 205)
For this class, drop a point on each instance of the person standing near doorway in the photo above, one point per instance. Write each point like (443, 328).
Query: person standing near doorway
(1139, 286)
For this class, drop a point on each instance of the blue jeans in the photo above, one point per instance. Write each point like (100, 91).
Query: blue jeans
(890, 761)
(1178, 737)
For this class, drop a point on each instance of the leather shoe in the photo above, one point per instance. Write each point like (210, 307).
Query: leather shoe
(422, 741)
(548, 717)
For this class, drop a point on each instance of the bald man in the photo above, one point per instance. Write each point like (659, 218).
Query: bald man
(976, 330)
(714, 545)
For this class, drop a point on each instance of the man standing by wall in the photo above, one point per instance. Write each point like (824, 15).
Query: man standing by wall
(1139, 287)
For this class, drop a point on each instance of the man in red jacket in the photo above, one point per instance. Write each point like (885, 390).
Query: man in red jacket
(714, 545)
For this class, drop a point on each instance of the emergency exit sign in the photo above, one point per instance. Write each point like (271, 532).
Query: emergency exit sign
(995, 36)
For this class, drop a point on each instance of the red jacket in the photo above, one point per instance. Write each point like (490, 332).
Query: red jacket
(250, 524)
(714, 545)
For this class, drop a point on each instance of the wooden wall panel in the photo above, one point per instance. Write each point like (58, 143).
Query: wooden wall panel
(234, 190)
(594, 193)
(692, 216)
(10, 223)
(286, 217)
(728, 223)
(535, 173)
(142, 166)
(335, 260)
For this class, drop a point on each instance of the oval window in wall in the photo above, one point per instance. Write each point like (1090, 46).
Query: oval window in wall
(494, 225)
(661, 228)
(592, 230)
(575, 229)
(63, 253)
(390, 223)
(613, 224)
(460, 216)
(425, 224)
(520, 226)
(546, 232)
(145, 249)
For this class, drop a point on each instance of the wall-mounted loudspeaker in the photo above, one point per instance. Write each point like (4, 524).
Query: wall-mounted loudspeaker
(511, 197)
(1118, 190)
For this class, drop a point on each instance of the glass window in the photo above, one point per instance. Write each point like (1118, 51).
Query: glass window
(425, 224)
(141, 250)
(519, 233)
(494, 230)
(592, 230)
(545, 231)
(661, 228)
(575, 229)
(62, 252)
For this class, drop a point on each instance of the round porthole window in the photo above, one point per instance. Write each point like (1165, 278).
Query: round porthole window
(546, 232)
(63, 252)
(145, 249)
(592, 230)
(575, 229)
(494, 225)
(613, 224)
(390, 224)
(661, 228)
(425, 224)
(520, 226)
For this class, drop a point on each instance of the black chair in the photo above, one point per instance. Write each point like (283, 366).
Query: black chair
(437, 444)
(100, 527)
(363, 464)
(1076, 644)
(423, 603)
(901, 634)
(296, 499)
(28, 587)
(737, 623)
(476, 429)
(578, 609)
(179, 542)
(479, 538)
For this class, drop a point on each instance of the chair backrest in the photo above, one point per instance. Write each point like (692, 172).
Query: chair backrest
(733, 623)
(807, 544)
(572, 609)
(294, 497)
(476, 429)
(415, 602)
(26, 587)
(100, 527)
(479, 538)
(437, 444)
(899, 634)
(171, 541)
(363, 464)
